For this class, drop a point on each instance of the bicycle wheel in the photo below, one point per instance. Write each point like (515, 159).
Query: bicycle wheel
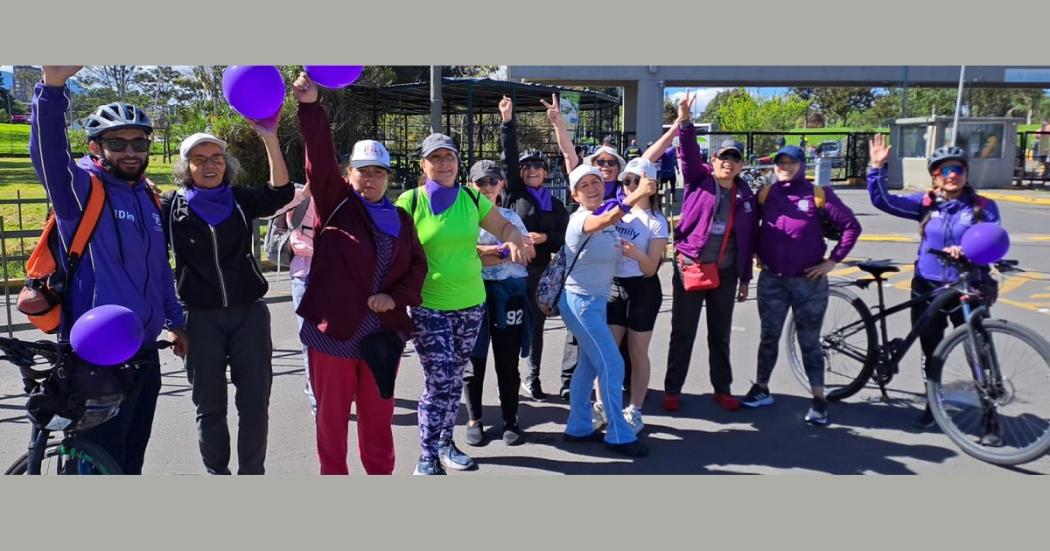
(1014, 405)
(849, 341)
(72, 456)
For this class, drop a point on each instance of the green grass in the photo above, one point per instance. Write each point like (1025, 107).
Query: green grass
(14, 139)
(18, 180)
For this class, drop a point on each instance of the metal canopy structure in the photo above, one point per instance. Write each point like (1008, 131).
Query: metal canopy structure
(400, 117)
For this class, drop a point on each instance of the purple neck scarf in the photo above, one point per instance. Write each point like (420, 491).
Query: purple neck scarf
(384, 215)
(542, 196)
(614, 189)
(213, 205)
(441, 197)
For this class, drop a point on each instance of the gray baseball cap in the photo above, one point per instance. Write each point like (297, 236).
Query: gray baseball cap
(726, 145)
(485, 168)
(438, 141)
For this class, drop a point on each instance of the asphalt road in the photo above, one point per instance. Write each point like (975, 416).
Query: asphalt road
(867, 435)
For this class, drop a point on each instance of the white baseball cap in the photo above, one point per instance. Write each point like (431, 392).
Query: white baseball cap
(579, 172)
(196, 139)
(641, 167)
(370, 153)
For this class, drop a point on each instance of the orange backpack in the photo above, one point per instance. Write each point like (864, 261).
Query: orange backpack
(47, 280)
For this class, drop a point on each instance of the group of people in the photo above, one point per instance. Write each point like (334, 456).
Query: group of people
(456, 269)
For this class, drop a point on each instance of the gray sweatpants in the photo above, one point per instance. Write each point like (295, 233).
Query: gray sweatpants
(238, 336)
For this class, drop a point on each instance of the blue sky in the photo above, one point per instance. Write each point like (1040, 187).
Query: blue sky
(705, 95)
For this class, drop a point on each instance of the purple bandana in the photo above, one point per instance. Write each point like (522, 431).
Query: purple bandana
(384, 215)
(441, 197)
(213, 205)
(543, 197)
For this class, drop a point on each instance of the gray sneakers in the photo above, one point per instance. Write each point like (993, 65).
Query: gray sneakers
(451, 457)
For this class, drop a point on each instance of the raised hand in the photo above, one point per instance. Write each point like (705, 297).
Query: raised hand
(304, 89)
(685, 107)
(554, 111)
(878, 151)
(506, 108)
(57, 75)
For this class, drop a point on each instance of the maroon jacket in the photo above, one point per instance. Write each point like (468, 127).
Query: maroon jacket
(344, 251)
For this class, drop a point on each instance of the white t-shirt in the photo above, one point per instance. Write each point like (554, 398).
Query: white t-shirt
(639, 227)
(593, 273)
(508, 268)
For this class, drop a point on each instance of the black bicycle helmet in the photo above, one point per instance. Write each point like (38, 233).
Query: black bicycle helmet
(533, 154)
(945, 154)
(115, 116)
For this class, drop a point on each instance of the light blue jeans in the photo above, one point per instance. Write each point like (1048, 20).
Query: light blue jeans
(298, 290)
(599, 357)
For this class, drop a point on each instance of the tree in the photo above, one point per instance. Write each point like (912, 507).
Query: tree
(710, 113)
(118, 78)
(837, 103)
(670, 111)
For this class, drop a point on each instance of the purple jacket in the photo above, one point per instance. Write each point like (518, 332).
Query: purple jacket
(698, 207)
(791, 235)
(949, 220)
(126, 262)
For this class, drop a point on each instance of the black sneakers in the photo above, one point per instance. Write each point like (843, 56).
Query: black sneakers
(533, 389)
(818, 412)
(757, 397)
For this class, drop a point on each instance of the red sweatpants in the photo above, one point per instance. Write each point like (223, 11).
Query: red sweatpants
(337, 383)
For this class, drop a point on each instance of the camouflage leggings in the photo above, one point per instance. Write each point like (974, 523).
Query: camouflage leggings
(808, 300)
(444, 341)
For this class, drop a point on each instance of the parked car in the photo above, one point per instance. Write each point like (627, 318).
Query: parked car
(832, 150)
(20, 119)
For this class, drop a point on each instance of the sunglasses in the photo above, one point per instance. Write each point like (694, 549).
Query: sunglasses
(486, 182)
(606, 162)
(201, 160)
(730, 156)
(533, 165)
(117, 145)
(954, 169)
(631, 181)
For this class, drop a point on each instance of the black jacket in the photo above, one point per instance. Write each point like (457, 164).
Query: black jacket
(517, 198)
(215, 267)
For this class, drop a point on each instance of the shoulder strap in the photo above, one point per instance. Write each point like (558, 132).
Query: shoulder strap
(299, 213)
(729, 224)
(476, 198)
(763, 193)
(574, 259)
(88, 219)
(415, 199)
(819, 197)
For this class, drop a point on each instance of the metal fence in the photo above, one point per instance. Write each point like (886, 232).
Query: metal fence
(1032, 165)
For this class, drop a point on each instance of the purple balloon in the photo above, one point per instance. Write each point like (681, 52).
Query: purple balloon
(107, 335)
(334, 76)
(985, 243)
(255, 91)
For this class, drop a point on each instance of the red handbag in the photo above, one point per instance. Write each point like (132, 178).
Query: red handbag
(704, 276)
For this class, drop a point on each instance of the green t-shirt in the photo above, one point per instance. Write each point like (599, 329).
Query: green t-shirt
(449, 239)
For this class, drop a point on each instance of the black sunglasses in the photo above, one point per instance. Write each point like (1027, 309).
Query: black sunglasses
(606, 162)
(729, 156)
(487, 181)
(117, 145)
(534, 165)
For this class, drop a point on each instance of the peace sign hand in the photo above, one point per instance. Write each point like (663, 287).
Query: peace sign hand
(553, 111)
(685, 107)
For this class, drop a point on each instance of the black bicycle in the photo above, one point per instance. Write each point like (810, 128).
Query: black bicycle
(987, 383)
(47, 367)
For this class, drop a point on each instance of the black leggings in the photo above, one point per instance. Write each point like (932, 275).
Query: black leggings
(506, 348)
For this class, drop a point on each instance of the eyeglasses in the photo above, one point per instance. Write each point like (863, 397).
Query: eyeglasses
(606, 162)
(201, 160)
(953, 169)
(631, 180)
(730, 156)
(533, 165)
(117, 145)
(487, 181)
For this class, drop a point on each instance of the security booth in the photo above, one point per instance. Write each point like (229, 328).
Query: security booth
(989, 141)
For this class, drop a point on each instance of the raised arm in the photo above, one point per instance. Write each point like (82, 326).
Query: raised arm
(561, 134)
(685, 109)
(327, 186)
(67, 184)
(266, 200)
(693, 169)
(904, 206)
(508, 139)
(610, 216)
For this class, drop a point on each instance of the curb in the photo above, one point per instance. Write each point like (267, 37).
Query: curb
(1011, 198)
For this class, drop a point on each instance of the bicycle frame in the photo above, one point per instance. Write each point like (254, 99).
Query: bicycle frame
(939, 298)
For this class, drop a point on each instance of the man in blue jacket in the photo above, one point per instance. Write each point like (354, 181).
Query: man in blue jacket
(126, 262)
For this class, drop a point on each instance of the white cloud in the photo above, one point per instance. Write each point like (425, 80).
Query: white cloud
(703, 96)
